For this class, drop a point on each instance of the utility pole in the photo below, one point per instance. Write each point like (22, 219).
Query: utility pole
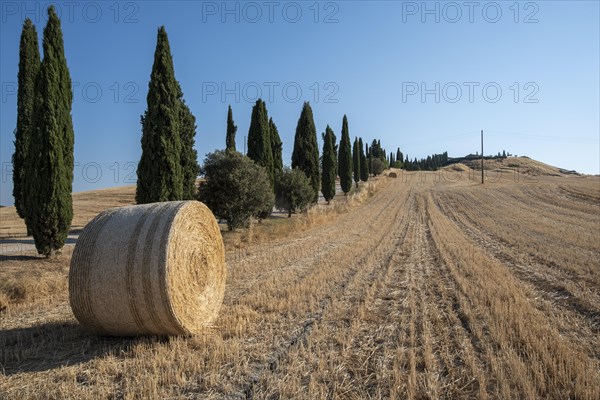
(481, 156)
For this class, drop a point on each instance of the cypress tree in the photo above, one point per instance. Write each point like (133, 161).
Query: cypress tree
(364, 168)
(189, 155)
(335, 152)
(345, 158)
(259, 139)
(276, 148)
(328, 167)
(306, 149)
(48, 173)
(231, 131)
(29, 65)
(368, 156)
(370, 162)
(356, 161)
(159, 172)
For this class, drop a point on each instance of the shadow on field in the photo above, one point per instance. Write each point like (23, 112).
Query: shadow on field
(30, 241)
(11, 257)
(53, 345)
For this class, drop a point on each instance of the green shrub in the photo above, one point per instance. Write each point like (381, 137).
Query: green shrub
(236, 188)
(378, 166)
(294, 191)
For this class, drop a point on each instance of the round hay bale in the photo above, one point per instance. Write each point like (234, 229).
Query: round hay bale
(393, 175)
(149, 269)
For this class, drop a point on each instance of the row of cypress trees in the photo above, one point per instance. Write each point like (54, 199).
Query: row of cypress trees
(43, 160)
(168, 167)
(346, 161)
(265, 148)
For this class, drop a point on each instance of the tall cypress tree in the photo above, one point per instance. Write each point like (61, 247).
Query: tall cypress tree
(48, 173)
(29, 65)
(159, 172)
(306, 149)
(356, 161)
(335, 151)
(231, 131)
(370, 159)
(328, 167)
(364, 168)
(277, 149)
(189, 155)
(345, 158)
(259, 139)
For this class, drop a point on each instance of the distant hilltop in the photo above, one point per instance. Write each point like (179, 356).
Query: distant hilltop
(500, 163)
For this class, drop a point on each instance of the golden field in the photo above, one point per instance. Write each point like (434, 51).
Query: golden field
(429, 285)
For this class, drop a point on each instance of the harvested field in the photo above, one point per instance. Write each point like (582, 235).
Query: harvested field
(86, 206)
(435, 287)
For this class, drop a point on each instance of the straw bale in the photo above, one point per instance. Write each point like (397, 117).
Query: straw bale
(149, 269)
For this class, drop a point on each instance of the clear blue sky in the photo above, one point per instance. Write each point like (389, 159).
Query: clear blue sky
(369, 60)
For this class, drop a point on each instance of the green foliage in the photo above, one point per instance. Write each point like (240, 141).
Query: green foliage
(356, 161)
(159, 172)
(328, 166)
(231, 131)
(345, 158)
(399, 157)
(236, 188)
(377, 151)
(259, 140)
(378, 166)
(189, 155)
(369, 159)
(294, 191)
(29, 65)
(364, 168)
(431, 163)
(276, 148)
(48, 173)
(306, 149)
(335, 152)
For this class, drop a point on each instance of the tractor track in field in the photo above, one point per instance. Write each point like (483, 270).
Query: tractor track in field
(527, 267)
(342, 288)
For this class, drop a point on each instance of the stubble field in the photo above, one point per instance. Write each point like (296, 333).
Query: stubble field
(434, 287)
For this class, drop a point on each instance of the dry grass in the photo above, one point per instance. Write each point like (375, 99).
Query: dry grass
(280, 226)
(520, 165)
(430, 288)
(86, 205)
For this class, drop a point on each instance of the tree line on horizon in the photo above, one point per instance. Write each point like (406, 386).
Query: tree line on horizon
(247, 185)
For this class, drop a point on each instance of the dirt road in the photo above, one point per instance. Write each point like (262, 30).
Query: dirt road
(432, 289)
